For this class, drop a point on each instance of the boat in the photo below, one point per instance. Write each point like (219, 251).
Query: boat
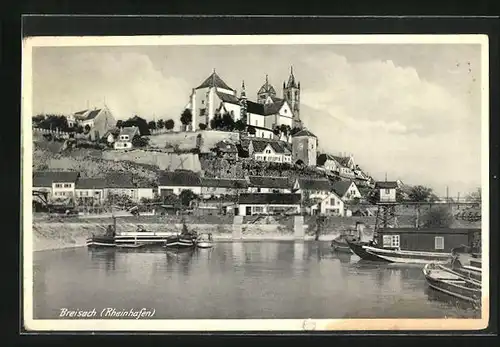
(447, 281)
(106, 240)
(339, 243)
(368, 251)
(101, 241)
(469, 271)
(186, 239)
(204, 241)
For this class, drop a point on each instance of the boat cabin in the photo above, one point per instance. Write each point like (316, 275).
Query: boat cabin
(430, 240)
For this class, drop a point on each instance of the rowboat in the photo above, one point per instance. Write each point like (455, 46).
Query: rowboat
(186, 239)
(204, 241)
(101, 241)
(370, 252)
(449, 282)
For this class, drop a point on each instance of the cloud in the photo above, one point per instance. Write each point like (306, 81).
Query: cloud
(128, 83)
(393, 121)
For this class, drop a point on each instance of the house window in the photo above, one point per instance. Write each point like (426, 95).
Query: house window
(439, 242)
(395, 241)
(67, 185)
(332, 201)
(268, 151)
(387, 191)
(258, 209)
(59, 185)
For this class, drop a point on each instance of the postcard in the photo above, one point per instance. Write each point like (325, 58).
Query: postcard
(255, 183)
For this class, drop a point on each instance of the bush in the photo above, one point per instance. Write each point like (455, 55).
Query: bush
(439, 217)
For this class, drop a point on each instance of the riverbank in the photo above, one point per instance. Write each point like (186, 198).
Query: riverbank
(53, 235)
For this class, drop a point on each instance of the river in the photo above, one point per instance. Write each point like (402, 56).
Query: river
(280, 280)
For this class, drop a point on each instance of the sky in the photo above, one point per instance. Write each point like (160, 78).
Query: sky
(412, 111)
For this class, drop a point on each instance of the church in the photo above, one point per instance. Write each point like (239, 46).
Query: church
(214, 96)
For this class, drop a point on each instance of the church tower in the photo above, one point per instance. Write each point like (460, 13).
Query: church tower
(291, 93)
(267, 90)
(243, 103)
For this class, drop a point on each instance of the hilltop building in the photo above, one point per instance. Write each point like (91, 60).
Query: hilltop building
(214, 96)
(304, 148)
(100, 121)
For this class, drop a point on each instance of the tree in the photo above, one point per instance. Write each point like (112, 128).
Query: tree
(439, 217)
(139, 141)
(79, 129)
(119, 123)
(202, 126)
(284, 129)
(139, 122)
(54, 122)
(186, 117)
(277, 130)
(294, 130)
(160, 124)
(251, 130)
(169, 124)
(152, 125)
(186, 196)
(239, 125)
(36, 120)
(227, 122)
(421, 194)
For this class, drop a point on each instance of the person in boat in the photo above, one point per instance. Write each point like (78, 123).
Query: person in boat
(110, 231)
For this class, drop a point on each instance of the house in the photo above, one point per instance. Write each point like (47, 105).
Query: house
(268, 203)
(269, 151)
(222, 186)
(90, 191)
(125, 137)
(328, 162)
(174, 182)
(269, 184)
(387, 191)
(145, 190)
(226, 149)
(99, 121)
(430, 240)
(346, 190)
(304, 148)
(317, 197)
(59, 184)
(121, 184)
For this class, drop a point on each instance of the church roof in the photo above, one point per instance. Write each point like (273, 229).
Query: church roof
(214, 81)
(267, 88)
(231, 99)
(274, 107)
(304, 132)
(291, 80)
(255, 108)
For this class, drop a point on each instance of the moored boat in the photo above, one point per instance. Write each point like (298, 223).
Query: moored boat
(340, 244)
(444, 280)
(204, 241)
(186, 239)
(101, 241)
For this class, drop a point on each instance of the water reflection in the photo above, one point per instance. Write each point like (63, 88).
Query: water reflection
(103, 258)
(298, 251)
(181, 258)
(239, 256)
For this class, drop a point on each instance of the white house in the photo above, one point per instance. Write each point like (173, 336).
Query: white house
(90, 191)
(99, 121)
(346, 190)
(270, 151)
(59, 184)
(387, 191)
(268, 184)
(318, 198)
(125, 137)
(174, 182)
(268, 203)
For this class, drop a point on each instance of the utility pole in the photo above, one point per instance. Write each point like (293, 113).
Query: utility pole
(447, 195)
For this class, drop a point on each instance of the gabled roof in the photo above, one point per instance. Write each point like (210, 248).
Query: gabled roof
(274, 107)
(341, 187)
(91, 183)
(260, 145)
(231, 99)
(322, 184)
(255, 108)
(269, 198)
(386, 185)
(304, 132)
(179, 178)
(119, 180)
(46, 178)
(226, 147)
(344, 161)
(130, 131)
(269, 182)
(79, 113)
(92, 114)
(214, 81)
(223, 183)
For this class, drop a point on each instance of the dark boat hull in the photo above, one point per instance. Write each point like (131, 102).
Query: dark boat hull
(340, 245)
(97, 241)
(357, 248)
(179, 242)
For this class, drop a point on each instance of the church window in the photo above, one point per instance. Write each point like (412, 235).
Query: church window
(296, 95)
